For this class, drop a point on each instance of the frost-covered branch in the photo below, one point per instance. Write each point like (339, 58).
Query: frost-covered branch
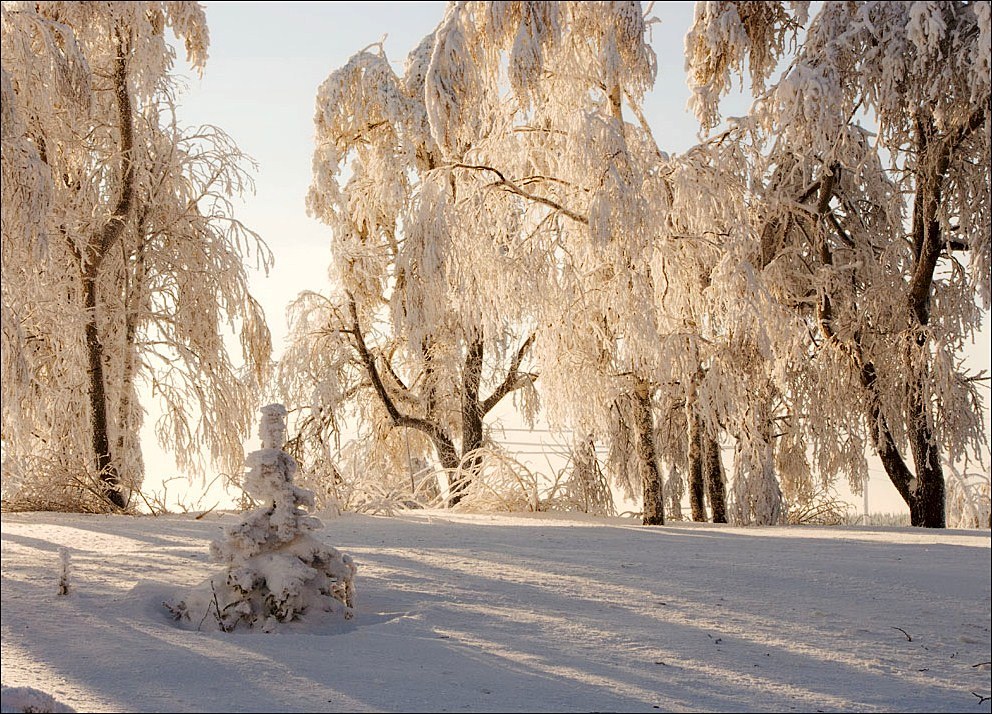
(512, 379)
(512, 187)
(432, 429)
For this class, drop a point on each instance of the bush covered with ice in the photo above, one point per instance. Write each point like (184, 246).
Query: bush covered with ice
(276, 571)
(28, 699)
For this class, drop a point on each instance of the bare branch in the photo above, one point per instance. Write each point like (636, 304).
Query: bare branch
(514, 188)
(513, 379)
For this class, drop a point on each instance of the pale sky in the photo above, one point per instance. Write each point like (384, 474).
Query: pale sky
(266, 62)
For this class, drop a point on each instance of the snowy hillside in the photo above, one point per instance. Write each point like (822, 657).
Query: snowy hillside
(511, 613)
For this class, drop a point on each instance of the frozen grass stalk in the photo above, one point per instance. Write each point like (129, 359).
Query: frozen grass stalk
(65, 567)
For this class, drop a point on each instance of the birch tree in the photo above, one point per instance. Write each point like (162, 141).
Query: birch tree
(878, 238)
(122, 261)
(557, 145)
(402, 344)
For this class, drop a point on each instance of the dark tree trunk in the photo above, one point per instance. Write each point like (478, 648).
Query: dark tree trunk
(100, 246)
(471, 422)
(105, 464)
(927, 505)
(430, 405)
(654, 498)
(447, 454)
(716, 483)
(697, 486)
(925, 492)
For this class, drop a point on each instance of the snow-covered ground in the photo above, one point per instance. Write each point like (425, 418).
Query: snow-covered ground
(461, 612)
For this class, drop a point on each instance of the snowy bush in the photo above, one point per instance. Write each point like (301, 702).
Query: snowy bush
(818, 507)
(48, 480)
(366, 479)
(969, 499)
(28, 699)
(501, 483)
(884, 520)
(276, 571)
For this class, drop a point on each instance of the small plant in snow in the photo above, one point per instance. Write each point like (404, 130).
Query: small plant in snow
(64, 569)
(276, 571)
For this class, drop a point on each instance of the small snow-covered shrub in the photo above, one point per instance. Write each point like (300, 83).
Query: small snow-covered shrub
(51, 481)
(368, 480)
(28, 699)
(885, 520)
(501, 483)
(819, 507)
(65, 568)
(969, 500)
(275, 570)
(366, 476)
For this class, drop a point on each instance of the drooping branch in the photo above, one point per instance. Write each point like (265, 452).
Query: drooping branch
(513, 379)
(471, 378)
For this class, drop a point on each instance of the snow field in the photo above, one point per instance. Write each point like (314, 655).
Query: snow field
(459, 612)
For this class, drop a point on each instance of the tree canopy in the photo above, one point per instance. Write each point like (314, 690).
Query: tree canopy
(123, 265)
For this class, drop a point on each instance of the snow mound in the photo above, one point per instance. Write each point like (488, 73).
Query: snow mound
(276, 571)
(27, 699)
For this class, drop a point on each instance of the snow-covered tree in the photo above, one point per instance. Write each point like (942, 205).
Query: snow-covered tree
(631, 262)
(745, 291)
(276, 571)
(122, 263)
(402, 344)
(869, 156)
(553, 160)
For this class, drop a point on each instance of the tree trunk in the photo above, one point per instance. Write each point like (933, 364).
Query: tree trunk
(927, 505)
(716, 486)
(100, 246)
(925, 492)
(105, 464)
(471, 421)
(446, 452)
(654, 499)
(430, 400)
(697, 486)
(673, 492)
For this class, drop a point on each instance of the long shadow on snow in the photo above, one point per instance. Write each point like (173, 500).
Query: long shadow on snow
(527, 615)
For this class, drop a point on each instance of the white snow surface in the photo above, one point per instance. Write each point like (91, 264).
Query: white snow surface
(459, 612)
